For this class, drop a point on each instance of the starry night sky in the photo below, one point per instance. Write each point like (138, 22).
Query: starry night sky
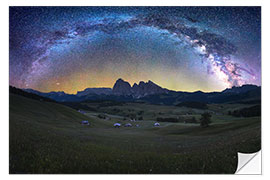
(179, 48)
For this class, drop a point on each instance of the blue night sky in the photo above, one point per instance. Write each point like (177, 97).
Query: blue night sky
(179, 48)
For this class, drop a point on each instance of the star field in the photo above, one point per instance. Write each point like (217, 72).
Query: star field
(180, 48)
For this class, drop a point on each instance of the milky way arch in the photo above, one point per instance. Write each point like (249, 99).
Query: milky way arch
(213, 48)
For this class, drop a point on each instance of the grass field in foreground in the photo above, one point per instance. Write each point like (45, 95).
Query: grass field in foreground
(47, 137)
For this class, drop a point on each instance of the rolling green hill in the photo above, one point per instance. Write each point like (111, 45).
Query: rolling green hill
(47, 137)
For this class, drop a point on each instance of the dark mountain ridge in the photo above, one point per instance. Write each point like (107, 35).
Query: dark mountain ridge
(241, 89)
(150, 92)
(21, 92)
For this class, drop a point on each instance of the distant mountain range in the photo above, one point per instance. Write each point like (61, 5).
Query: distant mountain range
(121, 88)
(152, 93)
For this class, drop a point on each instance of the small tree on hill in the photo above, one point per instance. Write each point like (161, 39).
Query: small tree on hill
(205, 119)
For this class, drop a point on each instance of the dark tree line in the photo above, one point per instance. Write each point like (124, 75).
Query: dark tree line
(193, 104)
(247, 112)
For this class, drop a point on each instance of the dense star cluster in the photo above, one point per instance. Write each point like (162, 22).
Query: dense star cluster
(180, 48)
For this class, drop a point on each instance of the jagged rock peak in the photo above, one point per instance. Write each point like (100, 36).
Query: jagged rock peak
(122, 87)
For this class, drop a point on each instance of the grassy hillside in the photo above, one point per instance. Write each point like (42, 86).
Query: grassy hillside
(47, 137)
